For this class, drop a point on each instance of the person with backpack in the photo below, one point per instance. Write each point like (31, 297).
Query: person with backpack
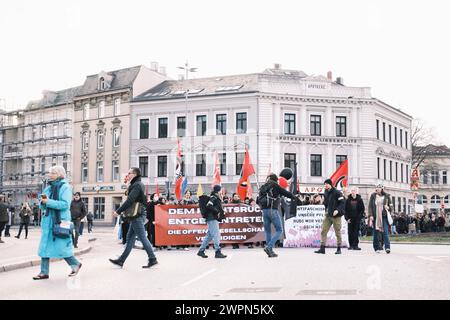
(269, 201)
(334, 209)
(212, 210)
(134, 211)
(77, 212)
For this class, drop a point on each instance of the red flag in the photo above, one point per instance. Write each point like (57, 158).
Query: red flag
(247, 171)
(340, 177)
(216, 175)
(249, 189)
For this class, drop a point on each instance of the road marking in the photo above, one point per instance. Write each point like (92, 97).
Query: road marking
(203, 275)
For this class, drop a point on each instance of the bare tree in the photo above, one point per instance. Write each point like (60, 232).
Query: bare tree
(422, 140)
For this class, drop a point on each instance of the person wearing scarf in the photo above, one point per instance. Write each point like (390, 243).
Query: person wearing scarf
(380, 204)
(56, 200)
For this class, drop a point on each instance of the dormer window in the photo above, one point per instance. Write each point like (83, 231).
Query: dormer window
(102, 84)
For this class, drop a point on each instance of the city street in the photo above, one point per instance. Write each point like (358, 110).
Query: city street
(409, 272)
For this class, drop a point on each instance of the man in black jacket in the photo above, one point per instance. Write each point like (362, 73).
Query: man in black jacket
(78, 212)
(269, 200)
(334, 210)
(3, 216)
(135, 196)
(215, 214)
(354, 212)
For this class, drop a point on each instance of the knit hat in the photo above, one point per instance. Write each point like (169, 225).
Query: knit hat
(380, 186)
(217, 188)
(328, 181)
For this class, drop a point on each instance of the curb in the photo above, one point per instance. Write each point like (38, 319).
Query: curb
(37, 262)
(420, 243)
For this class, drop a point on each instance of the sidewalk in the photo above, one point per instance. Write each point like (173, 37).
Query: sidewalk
(20, 253)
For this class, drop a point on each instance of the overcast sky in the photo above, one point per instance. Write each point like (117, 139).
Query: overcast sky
(399, 48)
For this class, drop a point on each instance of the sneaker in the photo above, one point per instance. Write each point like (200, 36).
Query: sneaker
(150, 264)
(273, 254)
(41, 277)
(116, 262)
(377, 251)
(220, 255)
(202, 254)
(267, 251)
(75, 271)
(388, 251)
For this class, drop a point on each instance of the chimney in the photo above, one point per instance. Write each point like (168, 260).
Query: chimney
(277, 66)
(162, 70)
(330, 76)
(154, 66)
(340, 80)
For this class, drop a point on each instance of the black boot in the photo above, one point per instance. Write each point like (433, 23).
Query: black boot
(151, 263)
(272, 254)
(202, 254)
(338, 251)
(117, 262)
(321, 250)
(220, 255)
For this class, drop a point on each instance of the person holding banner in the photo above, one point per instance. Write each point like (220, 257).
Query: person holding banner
(334, 209)
(214, 211)
(380, 205)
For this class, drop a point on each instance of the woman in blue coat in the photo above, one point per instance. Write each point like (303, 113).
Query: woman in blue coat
(56, 197)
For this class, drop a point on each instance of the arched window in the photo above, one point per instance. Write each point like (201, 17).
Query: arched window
(422, 199)
(435, 199)
(101, 84)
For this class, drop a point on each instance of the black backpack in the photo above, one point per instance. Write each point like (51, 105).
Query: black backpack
(202, 202)
(265, 197)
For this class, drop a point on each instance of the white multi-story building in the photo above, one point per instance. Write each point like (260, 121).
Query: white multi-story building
(282, 117)
(434, 187)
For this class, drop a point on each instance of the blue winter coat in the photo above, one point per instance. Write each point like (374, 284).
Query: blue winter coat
(49, 246)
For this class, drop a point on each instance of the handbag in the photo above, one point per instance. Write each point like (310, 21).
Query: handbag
(389, 217)
(61, 229)
(133, 211)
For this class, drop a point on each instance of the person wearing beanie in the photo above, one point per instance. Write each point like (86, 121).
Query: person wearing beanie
(334, 209)
(215, 215)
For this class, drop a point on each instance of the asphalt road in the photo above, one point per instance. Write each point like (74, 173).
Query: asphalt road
(409, 272)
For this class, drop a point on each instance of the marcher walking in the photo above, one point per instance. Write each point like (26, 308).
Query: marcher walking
(334, 209)
(269, 201)
(154, 201)
(215, 211)
(135, 197)
(354, 212)
(78, 213)
(90, 221)
(25, 214)
(55, 202)
(3, 216)
(380, 205)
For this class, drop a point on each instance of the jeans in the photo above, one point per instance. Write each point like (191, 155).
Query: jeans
(81, 228)
(76, 232)
(212, 234)
(378, 237)
(270, 217)
(23, 225)
(137, 229)
(45, 264)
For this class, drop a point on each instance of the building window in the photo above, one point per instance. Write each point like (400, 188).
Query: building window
(444, 177)
(55, 130)
(99, 208)
(395, 135)
(101, 84)
(221, 124)
(424, 199)
(385, 169)
(100, 139)
(116, 137)
(378, 168)
(390, 171)
(86, 111)
(390, 133)
(101, 109)
(162, 166)
(84, 172)
(115, 170)
(144, 129)
(100, 177)
(399, 204)
(446, 199)
(401, 138)
(435, 199)
(341, 126)
(143, 166)
(290, 160)
(201, 125)
(408, 173)
(33, 133)
(434, 177)
(117, 107)
(340, 159)
(289, 123)
(54, 161)
(66, 129)
(406, 139)
(43, 166)
(44, 131)
(33, 163)
(162, 128)
(223, 164)
(384, 131)
(181, 126)
(425, 177)
(396, 172)
(401, 173)
(85, 143)
(200, 165)
(239, 162)
(241, 122)
(316, 125)
(378, 129)
(316, 165)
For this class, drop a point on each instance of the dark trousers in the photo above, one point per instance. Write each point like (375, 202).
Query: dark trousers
(125, 227)
(7, 231)
(90, 225)
(353, 232)
(2, 226)
(23, 225)
(76, 232)
(150, 227)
